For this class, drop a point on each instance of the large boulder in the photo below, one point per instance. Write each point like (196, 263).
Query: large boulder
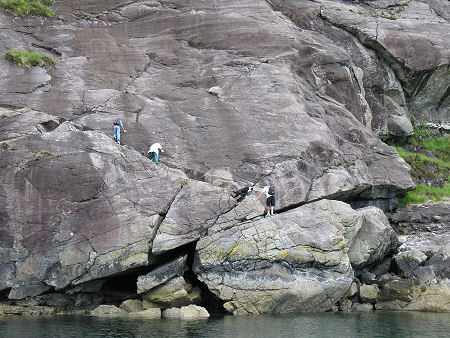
(295, 261)
(186, 312)
(174, 293)
(107, 310)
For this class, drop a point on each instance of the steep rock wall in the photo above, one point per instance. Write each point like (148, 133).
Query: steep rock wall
(289, 106)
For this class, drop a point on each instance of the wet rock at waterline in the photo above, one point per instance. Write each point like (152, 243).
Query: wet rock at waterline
(186, 312)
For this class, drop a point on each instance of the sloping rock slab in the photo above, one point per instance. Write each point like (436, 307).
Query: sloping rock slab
(74, 207)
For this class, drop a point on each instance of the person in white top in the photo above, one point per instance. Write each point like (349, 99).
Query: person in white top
(270, 201)
(153, 152)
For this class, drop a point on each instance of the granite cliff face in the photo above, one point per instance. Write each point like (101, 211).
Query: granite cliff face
(238, 93)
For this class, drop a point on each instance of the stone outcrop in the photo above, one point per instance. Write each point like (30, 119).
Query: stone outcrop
(417, 278)
(186, 312)
(300, 260)
(162, 274)
(107, 310)
(423, 217)
(174, 293)
(238, 93)
(132, 305)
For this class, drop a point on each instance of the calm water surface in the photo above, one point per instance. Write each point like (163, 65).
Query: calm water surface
(377, 324)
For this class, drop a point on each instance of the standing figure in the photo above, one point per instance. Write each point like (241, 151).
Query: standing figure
(270, 201)
(117, 126)
(153, 152)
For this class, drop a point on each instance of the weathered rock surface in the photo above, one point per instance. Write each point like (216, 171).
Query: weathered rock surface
(35, 310)
(369, 293)
(162, 274)
(107, 310)
(422, 279)
(132, 305)
(239, 93)
(422, 217)
(77, 207)
(186, 312)
(174, 293)
(295, 261)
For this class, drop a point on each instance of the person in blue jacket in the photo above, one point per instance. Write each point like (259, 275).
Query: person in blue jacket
(117, 126)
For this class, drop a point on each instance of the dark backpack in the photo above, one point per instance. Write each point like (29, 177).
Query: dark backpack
(116, 123)
(271, 191)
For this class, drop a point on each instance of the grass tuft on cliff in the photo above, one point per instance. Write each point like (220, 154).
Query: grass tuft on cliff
(28, 7)
(29, 59)
(429, 158)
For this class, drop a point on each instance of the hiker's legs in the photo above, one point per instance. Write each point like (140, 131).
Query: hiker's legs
(117, 134)
(270, 204)
(155, 157)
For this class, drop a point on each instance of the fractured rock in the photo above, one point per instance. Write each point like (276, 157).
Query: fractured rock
(162, 274)
(284, 263)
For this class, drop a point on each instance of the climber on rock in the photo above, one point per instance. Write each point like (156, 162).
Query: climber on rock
(153, 152)
(117, 126)
(240, 194)
(269, 190)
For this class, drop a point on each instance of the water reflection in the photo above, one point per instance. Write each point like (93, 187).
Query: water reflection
(373, 324)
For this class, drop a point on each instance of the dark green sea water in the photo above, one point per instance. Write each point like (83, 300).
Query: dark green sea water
(374, 324)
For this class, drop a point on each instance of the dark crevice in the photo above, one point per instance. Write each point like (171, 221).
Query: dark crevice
(4, 295)
(443, 98)
(212, 303)
(167, 256)
(123, 286)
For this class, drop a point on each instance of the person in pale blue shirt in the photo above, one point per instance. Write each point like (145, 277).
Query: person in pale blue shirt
(117, 126)
(153, 152)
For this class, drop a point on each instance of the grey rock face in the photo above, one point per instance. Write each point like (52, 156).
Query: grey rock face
(238, 94)
(195, 208)
(161, 274)
(107, 310)
(296, 261)
(425, 250)
(369, 293)
(186, 312)
(174, 293)
(77, 207)
(132, 305)
(422, 217)
(374, 238)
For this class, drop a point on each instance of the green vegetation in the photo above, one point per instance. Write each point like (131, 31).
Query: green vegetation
(28, 7)
(430, 166)
(29, 59)
(423, 193)
(91, 16)
(41, 153)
